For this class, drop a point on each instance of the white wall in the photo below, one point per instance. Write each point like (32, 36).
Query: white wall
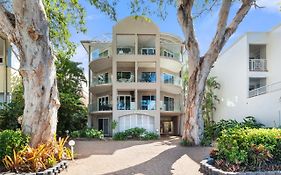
(232, 73)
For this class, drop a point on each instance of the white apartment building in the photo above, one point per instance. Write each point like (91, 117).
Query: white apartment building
(135, 79)
(249, 72)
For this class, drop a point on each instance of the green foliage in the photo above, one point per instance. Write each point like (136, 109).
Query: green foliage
(87, 133)
(185, 143)
(213, 130)
(209, 100)
(11, 140)
(10, 112)
(149, 136)
(135, 133)
(241, 149)
(72, 115)
(61, 15)
(114, 124)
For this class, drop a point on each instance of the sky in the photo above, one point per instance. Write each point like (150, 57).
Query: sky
(99, 24)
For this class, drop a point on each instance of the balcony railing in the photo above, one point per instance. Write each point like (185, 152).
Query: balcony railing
(265, 89)
(173, 81)
(102, 107)
(123, 106)
(127, 80)
(259, 65)
(172, 108)
(97, 81)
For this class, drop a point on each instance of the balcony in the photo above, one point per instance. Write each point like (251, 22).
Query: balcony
(258, 65)
(169, 107)
(171, 79)
(102, 108)
(265, 89)
(125, 77)
(103, 79)
(170, 51)
(146, 44)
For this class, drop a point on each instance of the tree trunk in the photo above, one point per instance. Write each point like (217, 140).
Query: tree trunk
(38, 71)
(194, 124)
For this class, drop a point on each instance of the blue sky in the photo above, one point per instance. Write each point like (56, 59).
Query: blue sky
(258, 20)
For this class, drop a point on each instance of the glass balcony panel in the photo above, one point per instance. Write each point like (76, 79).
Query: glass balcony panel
(148, 77)
(170, 50)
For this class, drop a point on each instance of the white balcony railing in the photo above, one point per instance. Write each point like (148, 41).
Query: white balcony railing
(259, 65)
(265, 89)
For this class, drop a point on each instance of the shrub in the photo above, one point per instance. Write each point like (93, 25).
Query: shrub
(11, 140)
(120, 136)
(241, 149)
(37, 159)
(214, 130)
(135, 133)
(149, 136)
(87, 133)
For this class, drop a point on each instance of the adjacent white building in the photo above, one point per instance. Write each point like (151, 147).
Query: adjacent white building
(249, 72)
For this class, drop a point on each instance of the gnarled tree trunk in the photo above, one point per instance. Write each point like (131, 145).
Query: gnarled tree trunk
(199, 67)
(29, 31)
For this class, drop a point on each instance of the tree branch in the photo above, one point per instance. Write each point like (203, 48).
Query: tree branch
(7, 23)
(224, 33)
(186, 21)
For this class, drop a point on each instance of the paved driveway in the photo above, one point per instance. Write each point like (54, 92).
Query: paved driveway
(161, 157)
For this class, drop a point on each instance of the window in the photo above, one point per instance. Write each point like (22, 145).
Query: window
(168, 78)
(1, 60)
(148, 77)
(103, 104)
(125, 77)
(169, 104)
(148, 102)
(148, 51)
(124, 102)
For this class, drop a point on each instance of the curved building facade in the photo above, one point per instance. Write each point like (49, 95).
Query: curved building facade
(135, 79)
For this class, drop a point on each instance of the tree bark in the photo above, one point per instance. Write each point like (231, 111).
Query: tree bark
(31, 35)
(200, 67)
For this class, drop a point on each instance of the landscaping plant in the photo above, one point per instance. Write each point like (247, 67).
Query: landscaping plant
(87, 133)
(36, 159)
(240, 149)
(11, 140)
(214, 130)
(136, 134)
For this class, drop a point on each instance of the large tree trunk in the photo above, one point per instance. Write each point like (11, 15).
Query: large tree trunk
(194, 124)
(199, 67)
(38, 71)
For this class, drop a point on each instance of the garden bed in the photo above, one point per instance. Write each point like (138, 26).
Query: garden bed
(50, 171)
(207, 168)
